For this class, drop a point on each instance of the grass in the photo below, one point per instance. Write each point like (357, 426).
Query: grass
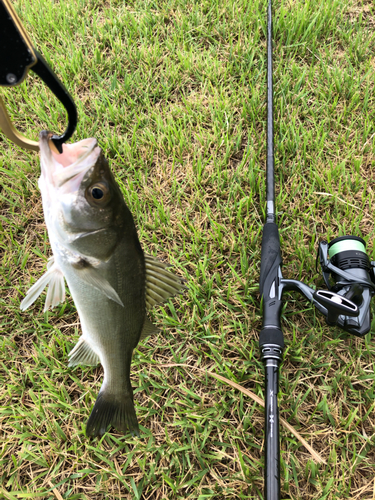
(175, 93)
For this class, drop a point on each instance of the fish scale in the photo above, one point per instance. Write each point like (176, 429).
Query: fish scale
(96, 250)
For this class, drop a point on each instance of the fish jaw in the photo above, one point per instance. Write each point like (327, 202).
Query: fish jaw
(60, 182)
(63, 173)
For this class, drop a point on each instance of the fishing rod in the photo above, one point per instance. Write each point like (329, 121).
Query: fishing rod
(348, 274)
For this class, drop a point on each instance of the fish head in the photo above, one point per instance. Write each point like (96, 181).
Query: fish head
(83, 206)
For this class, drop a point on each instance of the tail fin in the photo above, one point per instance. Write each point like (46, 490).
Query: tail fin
(112, 410)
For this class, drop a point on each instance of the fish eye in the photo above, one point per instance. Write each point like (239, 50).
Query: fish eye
(98, 193)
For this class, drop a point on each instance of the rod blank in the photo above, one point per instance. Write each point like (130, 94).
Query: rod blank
(270, 147)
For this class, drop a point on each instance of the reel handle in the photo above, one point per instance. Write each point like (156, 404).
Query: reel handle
(336, 305)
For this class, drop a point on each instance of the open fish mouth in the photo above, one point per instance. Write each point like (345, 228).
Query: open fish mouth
(75, 160)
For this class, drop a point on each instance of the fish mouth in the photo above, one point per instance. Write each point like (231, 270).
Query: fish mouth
(71, 165)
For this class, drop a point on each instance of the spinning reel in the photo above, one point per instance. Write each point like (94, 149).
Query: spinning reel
(345, 259)
(346, 303)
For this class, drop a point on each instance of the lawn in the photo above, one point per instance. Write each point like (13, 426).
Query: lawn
(175, 93)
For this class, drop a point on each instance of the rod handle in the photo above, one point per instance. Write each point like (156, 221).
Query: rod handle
(270, 258)
(273, 336)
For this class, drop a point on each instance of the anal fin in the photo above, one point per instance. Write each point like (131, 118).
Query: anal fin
(82, 354)
(148, 329)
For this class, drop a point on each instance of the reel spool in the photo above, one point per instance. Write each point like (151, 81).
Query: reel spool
(344, 259)
(348, 253)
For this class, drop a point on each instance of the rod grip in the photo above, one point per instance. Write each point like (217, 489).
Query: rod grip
(269, 286)
(270, 257)
(271, 336)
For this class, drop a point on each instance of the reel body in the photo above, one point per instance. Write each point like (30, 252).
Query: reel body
(345, 263)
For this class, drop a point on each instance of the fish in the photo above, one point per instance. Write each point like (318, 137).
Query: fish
(95, 248)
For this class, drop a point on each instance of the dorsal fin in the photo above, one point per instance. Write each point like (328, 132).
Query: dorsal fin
(160, 283)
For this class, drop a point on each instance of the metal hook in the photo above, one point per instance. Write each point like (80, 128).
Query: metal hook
(18, 56)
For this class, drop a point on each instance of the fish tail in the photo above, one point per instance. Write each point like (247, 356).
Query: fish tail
(115, 410)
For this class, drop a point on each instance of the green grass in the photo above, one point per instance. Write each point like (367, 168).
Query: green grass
(175, 93)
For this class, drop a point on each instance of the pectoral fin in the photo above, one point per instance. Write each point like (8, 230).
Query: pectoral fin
(54, 278)
(160, 283)
(87, 273)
